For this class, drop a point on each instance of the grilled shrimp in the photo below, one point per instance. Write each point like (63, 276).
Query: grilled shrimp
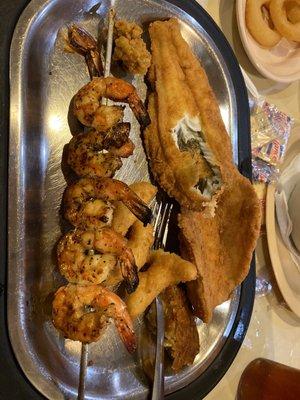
(124, 151)
(90, 112)
(99, 153)
(81, 312)
(86, 160)
(88, 202)
(140, 241)
(83, 43)
(89, 256)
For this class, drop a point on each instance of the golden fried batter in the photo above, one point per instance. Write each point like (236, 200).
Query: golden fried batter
(220, 247)
(140, 241)
(124, 218)
(186, 142)
(130, 48)
(181, 335)
(140, 237)
(165, 270)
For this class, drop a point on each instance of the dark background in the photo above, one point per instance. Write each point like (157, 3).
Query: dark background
(12, 382)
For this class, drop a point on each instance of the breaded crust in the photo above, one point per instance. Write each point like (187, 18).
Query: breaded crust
(181, 87)
(181, 335)
(166, 269)
(220, 247)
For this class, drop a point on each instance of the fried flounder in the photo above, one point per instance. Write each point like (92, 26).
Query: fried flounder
(191, 157)
(186, 142)
(221, 247)
(181, 335)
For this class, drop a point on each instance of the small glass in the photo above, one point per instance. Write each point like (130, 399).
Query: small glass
(268, 380)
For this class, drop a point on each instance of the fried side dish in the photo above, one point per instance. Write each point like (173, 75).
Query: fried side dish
(260, 24)
(140, 238)
(220, 247)
(130, 48)
(140, 241)
(186, 143)
(268, 21)
(165, 269)
(123, 218)
(181, 335)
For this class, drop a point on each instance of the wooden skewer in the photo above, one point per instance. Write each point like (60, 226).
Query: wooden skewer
(107, 65)
(83, 369)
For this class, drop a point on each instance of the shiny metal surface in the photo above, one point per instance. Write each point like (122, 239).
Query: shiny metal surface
(158, 387)
(43, 80)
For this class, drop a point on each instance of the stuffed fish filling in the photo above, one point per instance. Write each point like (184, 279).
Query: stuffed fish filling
(188, 136)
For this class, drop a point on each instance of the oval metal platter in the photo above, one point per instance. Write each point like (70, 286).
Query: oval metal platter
(43, 79)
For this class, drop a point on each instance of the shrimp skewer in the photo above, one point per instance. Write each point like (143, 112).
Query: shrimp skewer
(81, 312)
(140, 240)
(89, 257)
(90, 112)
(83, 43)
(87, 151)
(87, 158)
(88, 202)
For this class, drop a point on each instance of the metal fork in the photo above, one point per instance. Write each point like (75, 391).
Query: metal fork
(162, 218)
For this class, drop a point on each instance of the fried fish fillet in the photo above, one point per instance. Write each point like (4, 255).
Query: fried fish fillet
(191, 157)
(166, 269)
(181, 335)
(186, 143)
(221, 247)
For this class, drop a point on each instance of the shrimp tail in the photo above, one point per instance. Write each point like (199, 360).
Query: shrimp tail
(130, 274)
(139, 110)
(139, 209)
(83, 43)
(94, 64)
(127, 334)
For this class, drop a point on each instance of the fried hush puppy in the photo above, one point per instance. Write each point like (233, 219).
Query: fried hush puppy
(130, 49)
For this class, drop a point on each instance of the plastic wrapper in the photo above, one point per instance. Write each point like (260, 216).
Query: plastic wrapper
(270, 131)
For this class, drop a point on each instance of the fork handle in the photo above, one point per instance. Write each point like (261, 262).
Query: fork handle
(159, 378)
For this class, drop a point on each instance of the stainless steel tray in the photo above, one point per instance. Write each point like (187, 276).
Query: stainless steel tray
(43, 80)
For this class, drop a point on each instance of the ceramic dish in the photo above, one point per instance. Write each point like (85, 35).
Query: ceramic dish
(280, 63)
(286, 272)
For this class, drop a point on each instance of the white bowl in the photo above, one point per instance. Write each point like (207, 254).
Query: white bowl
(285, 270)
(280, 63)
(294, 211)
